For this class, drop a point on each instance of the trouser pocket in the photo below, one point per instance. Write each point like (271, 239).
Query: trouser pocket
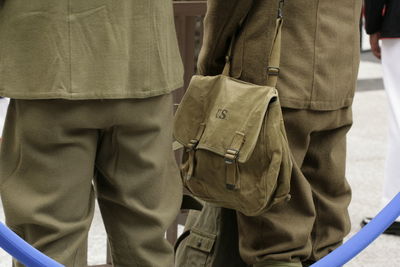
(195, 249)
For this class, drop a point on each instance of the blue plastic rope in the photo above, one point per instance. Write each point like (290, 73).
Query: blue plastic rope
(22, 251)
(31, 257)
(364, 237)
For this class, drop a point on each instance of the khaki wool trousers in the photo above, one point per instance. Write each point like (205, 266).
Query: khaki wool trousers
(57, 156)
(315, 220)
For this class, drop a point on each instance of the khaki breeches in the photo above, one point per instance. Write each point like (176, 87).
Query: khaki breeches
(58, 156)
(315, 220)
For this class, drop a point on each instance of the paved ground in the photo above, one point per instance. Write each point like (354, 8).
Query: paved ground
(366, 153)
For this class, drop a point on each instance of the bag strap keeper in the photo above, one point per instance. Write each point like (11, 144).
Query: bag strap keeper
(194, 142)
(230, 158)
(232, 152)
(273, 71)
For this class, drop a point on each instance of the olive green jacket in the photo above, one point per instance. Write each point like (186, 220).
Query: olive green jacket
(88, 49)
(320, 47)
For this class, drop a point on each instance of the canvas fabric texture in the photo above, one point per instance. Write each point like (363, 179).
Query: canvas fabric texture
(318, 72)
(92, 49)
(209, 239)
(236, 151)
(320, 48)
(316, 219)
(308, 227)
(58, 156)
(241, 161)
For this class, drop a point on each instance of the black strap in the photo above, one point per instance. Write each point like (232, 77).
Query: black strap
(190, 203)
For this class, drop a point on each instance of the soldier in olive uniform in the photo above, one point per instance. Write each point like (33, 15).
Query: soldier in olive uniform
(319, 63)
(90, 84)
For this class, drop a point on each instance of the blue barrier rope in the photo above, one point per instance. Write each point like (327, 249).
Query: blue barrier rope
(22, 251)
(31, 257)
(364, 237)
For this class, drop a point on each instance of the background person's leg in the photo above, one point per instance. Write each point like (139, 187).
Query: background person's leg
(3, 111)
(391, 77)
(46, 175)
(138, 184)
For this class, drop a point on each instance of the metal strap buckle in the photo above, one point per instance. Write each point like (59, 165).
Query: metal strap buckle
(192, 144)
(280, 8)
(273, 71)
(230, 156)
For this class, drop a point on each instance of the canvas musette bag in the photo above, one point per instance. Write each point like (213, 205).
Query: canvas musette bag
(236, 153)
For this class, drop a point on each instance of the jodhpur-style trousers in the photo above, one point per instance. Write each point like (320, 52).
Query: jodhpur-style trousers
(58, 156)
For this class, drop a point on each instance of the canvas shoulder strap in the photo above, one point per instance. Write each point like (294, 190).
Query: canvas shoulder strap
(275, 55)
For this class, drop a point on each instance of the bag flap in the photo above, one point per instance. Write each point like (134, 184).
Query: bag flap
(201, 240)
(226, 112)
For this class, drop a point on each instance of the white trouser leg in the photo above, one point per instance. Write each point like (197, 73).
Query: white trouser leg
(391, 77)
(3, 112)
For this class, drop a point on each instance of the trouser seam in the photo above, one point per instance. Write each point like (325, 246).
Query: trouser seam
(316, 224)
